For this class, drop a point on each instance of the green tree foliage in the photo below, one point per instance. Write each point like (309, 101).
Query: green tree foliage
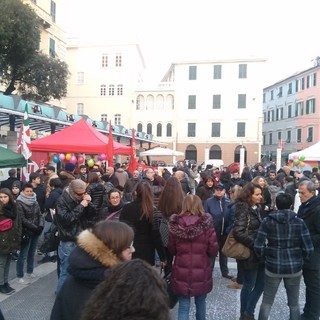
(22, 67)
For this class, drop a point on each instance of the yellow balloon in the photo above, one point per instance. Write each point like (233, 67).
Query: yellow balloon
(68, 156)
(90, 163)
(302, 164)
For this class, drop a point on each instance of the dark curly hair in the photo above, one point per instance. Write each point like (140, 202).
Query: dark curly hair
(133, 290)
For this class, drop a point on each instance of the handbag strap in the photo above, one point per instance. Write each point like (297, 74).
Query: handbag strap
(249, 219)
(112, 215)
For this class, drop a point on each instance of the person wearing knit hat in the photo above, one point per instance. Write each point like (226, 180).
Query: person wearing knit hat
(70, 217)
(67, 175)
(16, 188)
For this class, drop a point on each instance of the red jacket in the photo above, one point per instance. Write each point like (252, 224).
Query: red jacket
(192, 240)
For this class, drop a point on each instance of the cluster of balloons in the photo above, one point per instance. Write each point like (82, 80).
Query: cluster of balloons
(298, 160)
(67, 158)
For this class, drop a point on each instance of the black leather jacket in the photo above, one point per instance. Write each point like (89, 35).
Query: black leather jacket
(69, 217)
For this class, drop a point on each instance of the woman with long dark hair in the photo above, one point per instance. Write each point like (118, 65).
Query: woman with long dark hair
(170, 202)
(139, 214)
(246, 225)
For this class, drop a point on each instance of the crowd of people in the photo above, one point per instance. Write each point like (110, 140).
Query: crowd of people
(103, 226)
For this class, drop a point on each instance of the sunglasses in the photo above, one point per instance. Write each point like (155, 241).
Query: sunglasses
(80, 194)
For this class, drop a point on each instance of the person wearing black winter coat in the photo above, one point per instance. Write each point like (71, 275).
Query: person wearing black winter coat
(107, 244)
(32, 220)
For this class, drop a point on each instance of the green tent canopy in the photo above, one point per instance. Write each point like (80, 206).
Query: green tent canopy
(10, 159)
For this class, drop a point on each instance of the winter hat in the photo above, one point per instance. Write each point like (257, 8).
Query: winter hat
(16, 184)
(70, 166)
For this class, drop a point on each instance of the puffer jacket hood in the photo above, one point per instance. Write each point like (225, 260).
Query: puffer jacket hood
(188, 226)
(283, 216)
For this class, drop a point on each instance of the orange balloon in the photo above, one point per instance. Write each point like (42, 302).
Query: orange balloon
(302, 164)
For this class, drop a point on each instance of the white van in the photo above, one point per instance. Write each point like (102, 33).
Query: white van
(216, 163)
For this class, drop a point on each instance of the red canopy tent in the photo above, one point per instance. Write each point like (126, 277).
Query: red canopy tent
(78, 138)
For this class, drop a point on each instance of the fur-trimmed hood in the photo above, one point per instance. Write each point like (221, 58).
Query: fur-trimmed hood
(90, 260)
(97, 249)
(188, 226)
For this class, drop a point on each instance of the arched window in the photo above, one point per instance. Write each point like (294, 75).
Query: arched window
(237, 154)
(169, 130)
(150, 102)
(149, 128)
(215, 152)
(160, 102)
(169, 102)
(139, 127)
(159, 130)
(191, 152)
(140, 103)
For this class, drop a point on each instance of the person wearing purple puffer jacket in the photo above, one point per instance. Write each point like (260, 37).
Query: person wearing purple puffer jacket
(193, 242)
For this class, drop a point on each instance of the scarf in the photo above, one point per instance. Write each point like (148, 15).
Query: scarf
(29, 201)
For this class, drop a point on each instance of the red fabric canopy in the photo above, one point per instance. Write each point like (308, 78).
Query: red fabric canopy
(78, 138)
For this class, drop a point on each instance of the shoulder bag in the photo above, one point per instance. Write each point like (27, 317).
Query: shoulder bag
(234, 249)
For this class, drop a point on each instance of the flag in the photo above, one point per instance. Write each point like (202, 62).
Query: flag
(24, 136)
(133, 162)
(110, 147)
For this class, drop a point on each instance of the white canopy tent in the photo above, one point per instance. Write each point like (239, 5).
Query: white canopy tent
(158, 151)
(311, 154)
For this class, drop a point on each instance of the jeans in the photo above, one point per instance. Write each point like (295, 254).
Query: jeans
(5, 259)
(184, 307)
(253, 282)
(271, 285)
(64, 250)
(311, 310)
(27, 251)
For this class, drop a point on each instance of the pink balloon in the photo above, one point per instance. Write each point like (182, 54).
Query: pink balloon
(103, 156)
(295, 156)
(73, 160)
(62, 156)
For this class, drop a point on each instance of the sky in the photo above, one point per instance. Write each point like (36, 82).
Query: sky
(285, 32)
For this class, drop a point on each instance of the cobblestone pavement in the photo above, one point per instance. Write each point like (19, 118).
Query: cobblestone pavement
(35, 300)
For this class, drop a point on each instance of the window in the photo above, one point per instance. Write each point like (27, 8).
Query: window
(104, 60)
(216, 104)
(279, 114)
(52, 48)
(169, 130)
(192, 72)
(279, 136)
(264, 117)
(311, 106)
(241, 129)
(80, 108)
(80, 78)
(299, 131)
(299, 109)
(270, 115)
(217, 71)
(118, 60)
(264, 97)
(308, 81)
(117, 119)
(302, 84)
(314, 79)
(310, 134)
(159, 130)
(264, 139)
(53, 11)
(270, 138)
(149, 128)
(297, 85)
(242, 71)
(271, 97)
(139, 127)
(288, 136)
(111, 90)
(290, 88)
(192, 102)
(215, 129)
(242, 101)
(120, 90)
(104, 117)
(103, 90)
(280, 92)
(289, 111)
(191, 129)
